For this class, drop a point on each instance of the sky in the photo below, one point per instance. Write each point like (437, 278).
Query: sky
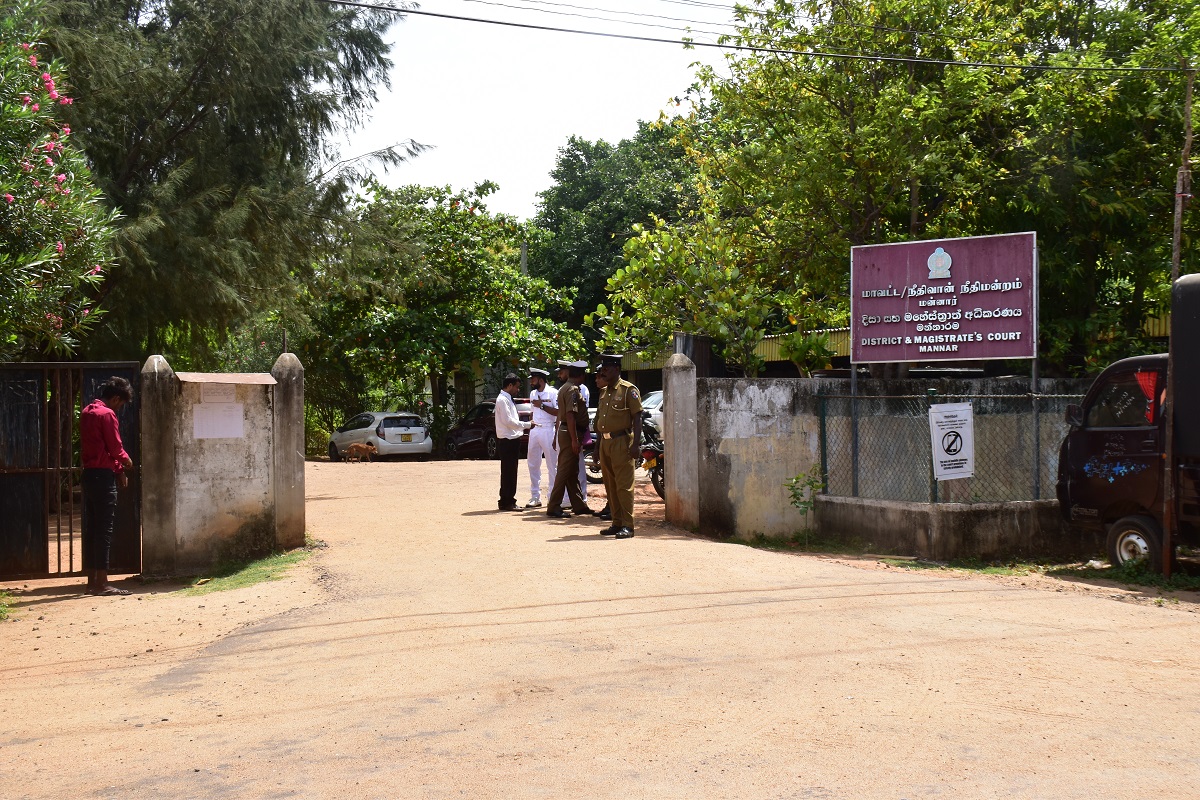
(496, 103)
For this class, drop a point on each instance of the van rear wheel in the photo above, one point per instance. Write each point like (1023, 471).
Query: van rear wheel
(1135, 538)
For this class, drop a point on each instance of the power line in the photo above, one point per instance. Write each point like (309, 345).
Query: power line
(757, 49)
(606, 19)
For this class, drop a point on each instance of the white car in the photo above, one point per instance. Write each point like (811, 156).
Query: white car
(652, 402)
(394, 433)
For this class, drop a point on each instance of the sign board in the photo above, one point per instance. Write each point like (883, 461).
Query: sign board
(218, 421)
(952, 434)
(944, 299)
(218, 393)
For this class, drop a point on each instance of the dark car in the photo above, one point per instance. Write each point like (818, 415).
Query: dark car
(474, 436)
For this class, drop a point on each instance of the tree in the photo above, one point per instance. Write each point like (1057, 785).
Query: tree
(802, 156)
(55, 232)
(600, 192)
(443, 292)
(207, 123)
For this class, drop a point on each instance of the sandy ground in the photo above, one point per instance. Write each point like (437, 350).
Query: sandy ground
(437, 648)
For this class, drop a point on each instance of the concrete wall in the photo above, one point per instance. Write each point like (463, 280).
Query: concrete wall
(211, 499)
(224, 496)
(752, 436)
(947, 531)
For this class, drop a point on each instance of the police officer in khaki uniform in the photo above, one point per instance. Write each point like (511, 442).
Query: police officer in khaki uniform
(619, 428)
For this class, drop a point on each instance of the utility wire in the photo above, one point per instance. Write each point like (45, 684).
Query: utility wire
(608, 19)
(758, 49)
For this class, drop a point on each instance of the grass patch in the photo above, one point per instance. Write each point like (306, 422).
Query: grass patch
(238, 575)
(805, 542)
(5, 609)
(1012, 567)
(1136, 573)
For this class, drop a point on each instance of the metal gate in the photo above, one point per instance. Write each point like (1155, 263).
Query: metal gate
(41, 508)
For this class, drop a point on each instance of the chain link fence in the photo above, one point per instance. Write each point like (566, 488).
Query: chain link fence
(879, 447)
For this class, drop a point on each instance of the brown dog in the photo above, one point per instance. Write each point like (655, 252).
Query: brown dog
(360, 452)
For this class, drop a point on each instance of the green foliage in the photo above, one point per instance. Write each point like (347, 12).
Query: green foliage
(207, 124)
(5, 608)
(440, 290)
(55, 232)
(807, 350)
(240, 574)
(805, 487)
(802, 157)
(600, 192)
(1136, 573)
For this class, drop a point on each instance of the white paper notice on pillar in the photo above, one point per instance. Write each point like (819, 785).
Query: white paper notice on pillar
(952, 431)
(218, 421)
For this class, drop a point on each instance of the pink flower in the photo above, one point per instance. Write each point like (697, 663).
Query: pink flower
(65, 190)
(8, 198)
(53, 95)
(66, 101)
(60, 178)
(48, 147)
(37, 184)
(24, 46)
(66, 130)
(33, 61)
(59, 247)
(96, 270)
(46, 76)
(26, 166)
(26, 99)
(86, 311)
(49, 161)
(35, 107)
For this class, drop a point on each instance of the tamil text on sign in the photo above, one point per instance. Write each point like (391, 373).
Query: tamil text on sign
(944, 300)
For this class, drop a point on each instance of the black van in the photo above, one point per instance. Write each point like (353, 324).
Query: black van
(1111, 464)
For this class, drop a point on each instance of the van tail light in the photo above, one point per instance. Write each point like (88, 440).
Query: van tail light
(379, 431)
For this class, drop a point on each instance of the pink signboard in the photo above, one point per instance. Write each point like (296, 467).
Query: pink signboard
(944, 299)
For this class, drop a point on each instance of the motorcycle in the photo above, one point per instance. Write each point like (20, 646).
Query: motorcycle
(651, 457)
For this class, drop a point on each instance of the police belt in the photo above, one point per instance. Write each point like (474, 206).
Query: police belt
(615, 434)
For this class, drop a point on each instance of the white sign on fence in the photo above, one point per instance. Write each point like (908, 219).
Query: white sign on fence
(952, 434)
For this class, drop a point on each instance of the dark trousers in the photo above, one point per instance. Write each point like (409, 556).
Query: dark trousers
(566, 480)
(509, 451)
(99, 515)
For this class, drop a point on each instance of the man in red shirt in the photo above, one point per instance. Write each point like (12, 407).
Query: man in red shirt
(104, 465)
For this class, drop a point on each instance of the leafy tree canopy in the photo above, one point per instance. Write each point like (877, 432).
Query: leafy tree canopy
(207, 124)
(55, 232)
(442, 291)
(801, 157)
(600, 192)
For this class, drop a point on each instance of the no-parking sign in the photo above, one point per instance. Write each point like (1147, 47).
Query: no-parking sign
(952, 433)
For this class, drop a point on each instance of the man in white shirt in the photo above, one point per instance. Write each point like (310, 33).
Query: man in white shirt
(509, 429)
(583, 453)
(541, 435)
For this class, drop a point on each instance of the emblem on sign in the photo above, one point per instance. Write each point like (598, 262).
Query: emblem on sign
(939, 265)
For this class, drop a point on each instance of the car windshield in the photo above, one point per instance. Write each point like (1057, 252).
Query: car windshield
(652, 400)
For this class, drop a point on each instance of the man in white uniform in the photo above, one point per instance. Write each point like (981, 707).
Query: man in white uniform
(541, 435)
(587, 401)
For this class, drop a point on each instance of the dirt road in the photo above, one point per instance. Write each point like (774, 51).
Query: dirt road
(437, 648)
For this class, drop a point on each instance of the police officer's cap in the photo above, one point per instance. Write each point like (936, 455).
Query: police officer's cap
(608, 360)
(579, 364)
(536, 371)
(564, 364)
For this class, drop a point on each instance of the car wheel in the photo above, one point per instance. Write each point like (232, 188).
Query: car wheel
(1135, 538)
(451, 449)
(491, 447)
(334, 455)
